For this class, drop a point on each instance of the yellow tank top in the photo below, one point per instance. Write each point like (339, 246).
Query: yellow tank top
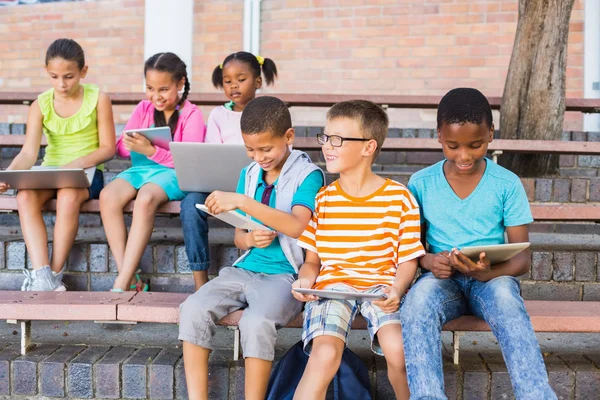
(72, 137)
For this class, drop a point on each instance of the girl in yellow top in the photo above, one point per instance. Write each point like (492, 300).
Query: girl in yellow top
(78, 122)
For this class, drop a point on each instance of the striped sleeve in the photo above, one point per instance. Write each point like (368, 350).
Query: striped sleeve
(409, 243)
(308, 238)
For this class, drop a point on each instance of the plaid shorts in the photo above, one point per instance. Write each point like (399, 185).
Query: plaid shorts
(329, 317)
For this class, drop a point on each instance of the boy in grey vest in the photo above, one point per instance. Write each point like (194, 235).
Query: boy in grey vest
(278, 190)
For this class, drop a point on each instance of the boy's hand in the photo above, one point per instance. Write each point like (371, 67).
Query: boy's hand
(260, 238)
(468, 267)
(4, 187)
(440, 265)
(304, 284)
(392, 303)
(218, 202)
(139, 144)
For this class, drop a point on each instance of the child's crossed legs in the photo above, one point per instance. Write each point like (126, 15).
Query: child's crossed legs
(325, 334)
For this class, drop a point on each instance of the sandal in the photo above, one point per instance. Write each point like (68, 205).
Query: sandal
(139, 286)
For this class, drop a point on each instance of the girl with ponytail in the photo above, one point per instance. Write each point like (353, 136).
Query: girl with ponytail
(151, 180)
(240, 76)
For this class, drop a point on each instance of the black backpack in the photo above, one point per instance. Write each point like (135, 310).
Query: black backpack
(351, 382)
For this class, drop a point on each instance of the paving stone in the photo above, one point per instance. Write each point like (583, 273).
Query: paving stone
(78, 258)
(593, 136)
(80, 380)
(579, 190)
(578, 172)
(476, 378)
(529, 185)
(578, 136)
(587, 376)
(181, 384)
(236, 381)
(591, 292)
(563, 266)
(147, 262)
(15, 255)
(134, 373)
(551, 291)
(165, 259)
(112, 264)
(566, 136)
(541, 265)
(408, 133)
(2, 255)
(423, 158)
(7, 355)
(183, 265)
(594, 189)
(107, 372)
(566, 160)
(52, 371)
(178, 284)
(543, 189)
(313, 131)
(11, 280)
(501, 387)
(17, 129)
(394, 133)
(588, 161)
(383, 388)
(561, 378)
(425, 133)
(98, 257)
(562, 190)
(24, 370)
(102, 283)
(4, 128)
(76, 282)
(227, 256)
(452, 380)
(585, 266)
(300, 131)
(161, 376)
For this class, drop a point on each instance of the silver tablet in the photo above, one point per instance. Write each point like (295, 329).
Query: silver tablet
(337, 295)
(160, 136)
(235, 219)
(52, 178)
(497, 253)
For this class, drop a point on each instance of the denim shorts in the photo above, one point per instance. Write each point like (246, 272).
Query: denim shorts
(97, 185)
(329, 317)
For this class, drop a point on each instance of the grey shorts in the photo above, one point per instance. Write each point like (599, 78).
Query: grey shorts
(267, 302)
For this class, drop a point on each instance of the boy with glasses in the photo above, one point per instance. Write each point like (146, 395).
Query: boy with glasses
(278, 190)
(363, 237)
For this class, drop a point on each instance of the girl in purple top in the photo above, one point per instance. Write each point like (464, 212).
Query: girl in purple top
(151, 180)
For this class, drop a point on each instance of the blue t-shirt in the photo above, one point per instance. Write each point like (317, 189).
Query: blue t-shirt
(271, 259)
(498, 201)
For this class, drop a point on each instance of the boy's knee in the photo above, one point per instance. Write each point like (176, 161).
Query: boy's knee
(326, 353)
(257, 326)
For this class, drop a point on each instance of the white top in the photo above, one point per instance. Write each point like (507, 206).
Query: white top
(224, 126)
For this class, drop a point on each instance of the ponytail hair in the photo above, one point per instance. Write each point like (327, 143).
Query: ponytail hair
(68, 50)
(257, 64)
(172, 64)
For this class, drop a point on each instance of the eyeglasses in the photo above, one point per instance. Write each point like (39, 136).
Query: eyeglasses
(337, 141)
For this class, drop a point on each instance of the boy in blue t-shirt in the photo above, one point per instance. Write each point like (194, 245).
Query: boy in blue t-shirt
(278, 189)
(467, 200)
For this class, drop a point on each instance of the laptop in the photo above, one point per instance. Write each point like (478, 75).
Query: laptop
(206, 167)
(48, 178)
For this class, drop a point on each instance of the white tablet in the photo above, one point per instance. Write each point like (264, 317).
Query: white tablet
(47, 178)
(337, 295)
(160, 136)
(235, 219)
(497, 253)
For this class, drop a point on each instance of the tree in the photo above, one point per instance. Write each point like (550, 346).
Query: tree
(533, 103)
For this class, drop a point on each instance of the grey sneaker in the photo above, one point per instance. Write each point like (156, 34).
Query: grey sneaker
(42, 280)
(59, 276)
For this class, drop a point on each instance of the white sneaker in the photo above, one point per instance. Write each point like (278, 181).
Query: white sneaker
(42, 280)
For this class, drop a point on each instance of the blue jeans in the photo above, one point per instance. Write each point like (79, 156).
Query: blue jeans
(432, 302)
(195, 231)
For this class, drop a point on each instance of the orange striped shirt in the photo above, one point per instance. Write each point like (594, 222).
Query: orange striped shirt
(360, 241)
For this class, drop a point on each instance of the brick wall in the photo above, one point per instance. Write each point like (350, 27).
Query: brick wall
(414, 47)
